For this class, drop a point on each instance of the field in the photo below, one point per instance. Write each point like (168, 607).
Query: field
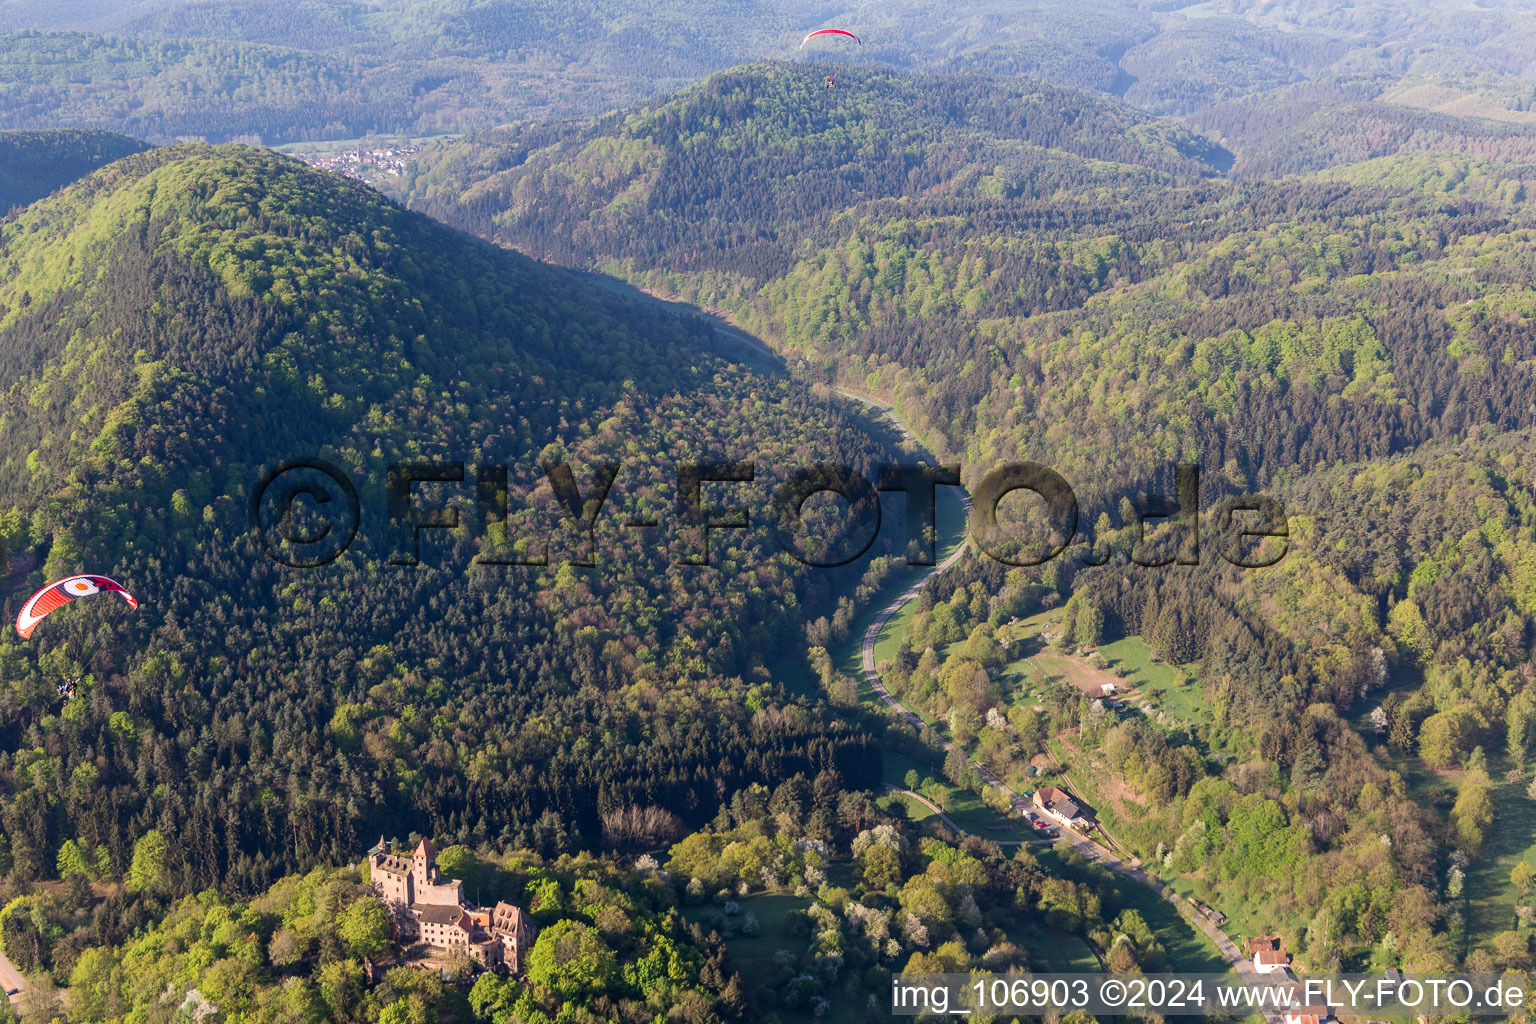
(1077, 672)
(752, 955)
(1135, 660)
(966, 811)
(1490, 896)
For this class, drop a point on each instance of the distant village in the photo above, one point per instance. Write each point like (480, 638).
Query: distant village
(384, 161)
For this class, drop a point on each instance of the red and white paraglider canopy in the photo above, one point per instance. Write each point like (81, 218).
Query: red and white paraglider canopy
(60, 593)
(830, 32)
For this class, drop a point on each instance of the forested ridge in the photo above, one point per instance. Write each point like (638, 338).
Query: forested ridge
(334, 69)
(33, 164)
(1316, 125)
(1355, 343)
(183, 318)
(1038, 305)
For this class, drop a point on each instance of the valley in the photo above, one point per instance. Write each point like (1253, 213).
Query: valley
(399, 361)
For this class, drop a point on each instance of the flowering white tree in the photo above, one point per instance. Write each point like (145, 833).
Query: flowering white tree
(914, 931)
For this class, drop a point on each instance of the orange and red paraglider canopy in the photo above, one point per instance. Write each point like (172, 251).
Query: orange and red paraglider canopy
(830, 32)
(60, 593)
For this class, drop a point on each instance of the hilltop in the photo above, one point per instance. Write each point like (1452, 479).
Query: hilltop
(751, 159)
(185, 317)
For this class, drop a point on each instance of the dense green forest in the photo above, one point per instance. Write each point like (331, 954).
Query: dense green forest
(187, 316)
(1112, 314)
(1290, 243)
(33, 164)
(247, 70)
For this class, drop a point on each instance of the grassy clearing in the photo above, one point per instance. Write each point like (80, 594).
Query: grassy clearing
(971, 814)
(1055, 952)
(1138, 664)
(752, 956)
(1490, 896)
(1185, 701)
(894, 633)
(916, 811)
(898, 763)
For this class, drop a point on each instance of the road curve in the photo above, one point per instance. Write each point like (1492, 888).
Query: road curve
(1082, 844)
(1087, 847)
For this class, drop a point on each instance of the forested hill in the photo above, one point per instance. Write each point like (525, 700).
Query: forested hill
(186, 317)
(1318, 125)
(333, 69)
(1107, 320)
(753, 159)
(33, 164)
(1015, 290)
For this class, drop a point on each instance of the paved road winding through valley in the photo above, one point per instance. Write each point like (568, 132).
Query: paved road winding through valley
(1087, 847)
(1082, 844)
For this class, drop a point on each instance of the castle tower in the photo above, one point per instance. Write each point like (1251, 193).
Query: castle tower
(424, 864)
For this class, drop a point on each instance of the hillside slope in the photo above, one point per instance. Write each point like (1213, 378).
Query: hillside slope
(33, 164)
(187, 317)
(751, 160)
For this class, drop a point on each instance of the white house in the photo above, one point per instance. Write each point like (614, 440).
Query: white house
(1059, 806)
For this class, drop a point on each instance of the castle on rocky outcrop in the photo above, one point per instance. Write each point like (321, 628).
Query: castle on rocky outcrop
(437, 914)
